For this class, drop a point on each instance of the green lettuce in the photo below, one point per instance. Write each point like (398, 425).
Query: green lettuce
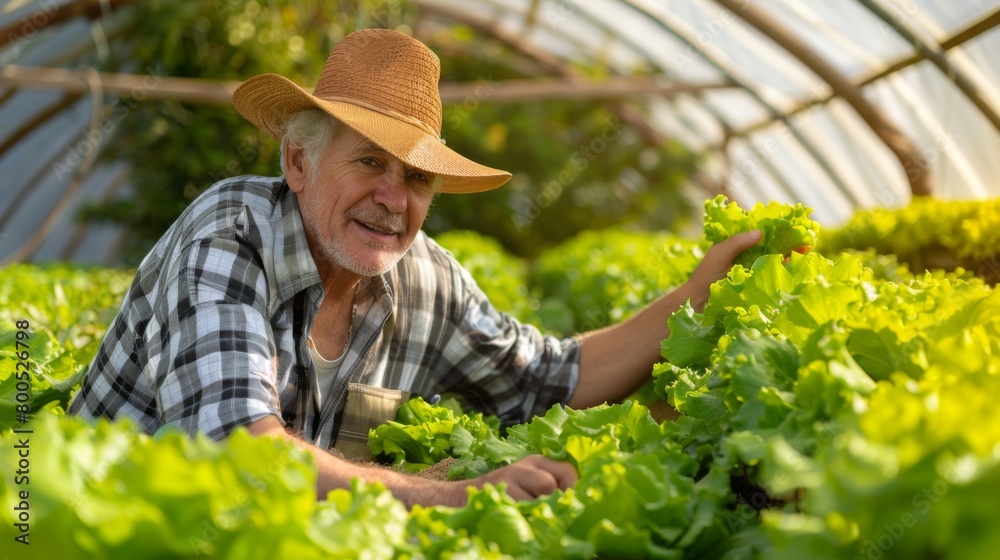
(424, 434)
(52, 373)
(784, 227)
(839, 400)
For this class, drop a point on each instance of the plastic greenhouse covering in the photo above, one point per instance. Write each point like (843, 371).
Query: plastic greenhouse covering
(841, 104)
(738, 299)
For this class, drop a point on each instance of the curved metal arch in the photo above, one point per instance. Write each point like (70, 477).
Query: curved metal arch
(546, 60)
(916, 169)
(779, 179)
(646, 54)
(44, 168)
(110, 191)
(664, 20)
(936, 55)
(531, 20)
(62, 203)
(53, 13)
(963, 35)
(17, 199)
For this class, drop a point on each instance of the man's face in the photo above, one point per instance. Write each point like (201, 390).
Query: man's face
(363, 207)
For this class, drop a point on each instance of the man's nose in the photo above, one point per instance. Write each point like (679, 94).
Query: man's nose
(391, 192)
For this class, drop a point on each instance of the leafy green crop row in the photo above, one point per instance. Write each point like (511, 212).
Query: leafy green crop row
(828, 390)
(828, 410)
(640, 494)
(593, 280)
(66, 312)
(502, 276)
(69, 308)
(929, 233)
(104, 491)
(824, 414)
(602, 277)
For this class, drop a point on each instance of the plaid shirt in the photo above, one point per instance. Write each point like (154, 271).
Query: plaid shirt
(207, 340)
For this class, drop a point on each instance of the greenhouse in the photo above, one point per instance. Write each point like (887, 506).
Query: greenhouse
(685, 279)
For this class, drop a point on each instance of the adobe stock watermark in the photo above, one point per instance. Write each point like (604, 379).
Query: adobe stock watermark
(386, 13)
(597, 318)
(528, 209)
(90, 141)
(899, 11)
(248, 151)
(705, 38)
(460, 112)
(765, 151)
(892, 195)
(749, 508)
(559, 11)
(18, 37)
(989, 270)
(893, 531)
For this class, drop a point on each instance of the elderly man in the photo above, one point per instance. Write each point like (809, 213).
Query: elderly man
(310, 306)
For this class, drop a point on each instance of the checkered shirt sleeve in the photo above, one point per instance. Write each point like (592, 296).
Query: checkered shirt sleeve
(203, 342)
(216, 357)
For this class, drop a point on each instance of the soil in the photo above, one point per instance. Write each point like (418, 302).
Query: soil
(437, 471)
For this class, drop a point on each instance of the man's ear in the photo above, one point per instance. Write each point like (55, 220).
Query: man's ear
(295, 167)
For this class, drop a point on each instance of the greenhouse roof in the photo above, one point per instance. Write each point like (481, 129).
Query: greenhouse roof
(841, 105)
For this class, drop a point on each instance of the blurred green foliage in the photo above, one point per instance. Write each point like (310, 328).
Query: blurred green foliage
(575, 165)
(601, 278)
(75, 303)
(929, 233)
(596, 279)
(52, 319)
(500, 275)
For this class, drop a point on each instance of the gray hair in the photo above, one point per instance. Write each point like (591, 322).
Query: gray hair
(312, 130)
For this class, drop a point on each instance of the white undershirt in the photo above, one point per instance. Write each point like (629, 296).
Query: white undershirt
(326, 371)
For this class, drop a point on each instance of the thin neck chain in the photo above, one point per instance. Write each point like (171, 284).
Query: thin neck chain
(350, 328)
(350, 325)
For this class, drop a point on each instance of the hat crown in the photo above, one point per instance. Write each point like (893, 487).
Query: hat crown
(384, 69)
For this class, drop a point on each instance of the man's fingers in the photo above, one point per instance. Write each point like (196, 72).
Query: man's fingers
(563, 472)
(749, 238)
(534, 476)
(738, 243)
(520, 493)
(537, 482)
(541, 475)
(720, 256)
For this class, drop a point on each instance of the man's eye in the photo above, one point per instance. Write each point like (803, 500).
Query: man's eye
(418, 176)
(368, 161)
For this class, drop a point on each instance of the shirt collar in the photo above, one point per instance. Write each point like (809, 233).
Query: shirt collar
(291, 261)
(293, 264)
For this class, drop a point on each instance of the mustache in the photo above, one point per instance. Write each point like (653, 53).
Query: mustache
(380, 218)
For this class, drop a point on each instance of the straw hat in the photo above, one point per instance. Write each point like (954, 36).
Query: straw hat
(384, 85)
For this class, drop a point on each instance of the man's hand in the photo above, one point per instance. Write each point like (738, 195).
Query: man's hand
(529, 478)
(526, 479)
(716, 264)
(615, 361)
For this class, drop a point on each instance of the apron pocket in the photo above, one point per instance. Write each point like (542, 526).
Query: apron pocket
(367, 407)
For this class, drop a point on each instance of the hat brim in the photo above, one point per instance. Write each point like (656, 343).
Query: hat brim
(269, 100)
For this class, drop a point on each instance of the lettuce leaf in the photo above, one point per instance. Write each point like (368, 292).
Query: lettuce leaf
(784, 227)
